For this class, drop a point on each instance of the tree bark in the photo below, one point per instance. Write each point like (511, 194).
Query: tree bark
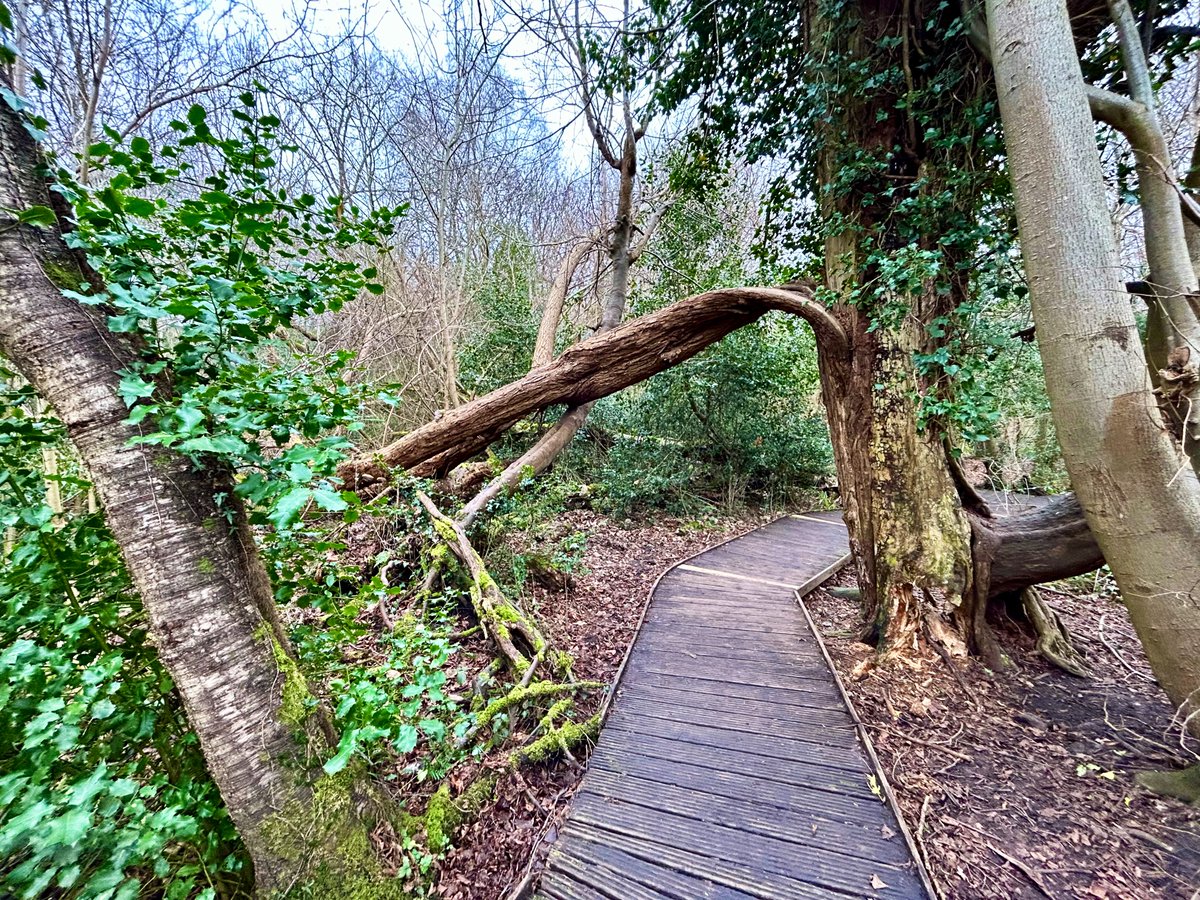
(1049, 542)
(556, 298)
(205, 591)
(1139, 493)
(1173, 329)
(909, 532)
(591, 369)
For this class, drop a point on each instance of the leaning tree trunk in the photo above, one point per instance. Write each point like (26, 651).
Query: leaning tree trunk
(205, 591)
(1140, 494)
(594, 368)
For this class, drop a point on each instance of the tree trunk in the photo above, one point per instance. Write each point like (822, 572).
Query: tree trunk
(206, 594)
(908, 529)
(556, 298)
(1140, 494)
(594, 368)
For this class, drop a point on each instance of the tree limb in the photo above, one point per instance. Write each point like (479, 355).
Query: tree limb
(595, 368)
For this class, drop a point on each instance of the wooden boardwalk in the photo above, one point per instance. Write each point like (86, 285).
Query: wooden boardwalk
(730, 767)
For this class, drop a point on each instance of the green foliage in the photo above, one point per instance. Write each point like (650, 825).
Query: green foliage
(741, 420)
(499, 348)
(207, 281)
(397, 707)
(892, 152)
(204, 263)
(103, 791)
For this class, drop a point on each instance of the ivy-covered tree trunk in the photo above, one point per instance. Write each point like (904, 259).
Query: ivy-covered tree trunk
(205, 591)
(910, 533)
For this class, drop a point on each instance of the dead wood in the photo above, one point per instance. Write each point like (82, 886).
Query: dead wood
(1053, 639)
(589, 370)
(1044, 544)
(515, 635)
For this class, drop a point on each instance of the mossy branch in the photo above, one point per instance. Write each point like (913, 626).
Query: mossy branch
(515, 635)
(564, 739)
(538, 690)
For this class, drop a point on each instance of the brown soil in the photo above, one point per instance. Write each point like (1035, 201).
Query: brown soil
(1021, 783)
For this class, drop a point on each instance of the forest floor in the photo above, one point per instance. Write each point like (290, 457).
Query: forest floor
(1015, 784)
(1021, 783)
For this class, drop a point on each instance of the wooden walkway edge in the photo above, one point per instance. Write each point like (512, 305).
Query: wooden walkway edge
(731, 765)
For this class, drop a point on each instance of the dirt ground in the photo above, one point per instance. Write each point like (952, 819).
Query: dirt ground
(1015, 784)
(1021, 783)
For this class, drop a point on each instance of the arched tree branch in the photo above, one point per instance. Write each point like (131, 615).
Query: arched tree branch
(592, 369)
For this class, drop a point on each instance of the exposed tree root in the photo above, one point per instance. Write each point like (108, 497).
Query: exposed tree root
(515, 635)
(1053, 641)
(564, 739)
(1182, 784)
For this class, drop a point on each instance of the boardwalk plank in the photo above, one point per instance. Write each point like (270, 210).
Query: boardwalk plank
(610, 864)
(800, 728)
(778, 860)
(740, 761)
(815, 826)
(695, 862)
(704, 688)
(729, 767)
(767, 745)
(769, 709)
(794, 797)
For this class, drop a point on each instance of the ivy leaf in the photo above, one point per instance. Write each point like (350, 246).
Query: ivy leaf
(39, 216)
(329, 500)
(406, 738)
(134, 388)
(346, 748)
(103, 708)
(217, 443)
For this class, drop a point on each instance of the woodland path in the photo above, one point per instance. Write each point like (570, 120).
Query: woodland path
(731, 766)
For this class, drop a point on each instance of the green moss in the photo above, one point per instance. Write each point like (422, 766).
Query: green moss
(445, 531)
(206, 566)
(559, 709)
(1182, 784)
(506, 612)
(446, 814)
(294, 707)
(566, 737)
(563, 663)
(64, 276)
(536, 691)
(328, 841)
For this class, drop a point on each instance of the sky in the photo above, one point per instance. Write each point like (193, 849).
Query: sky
(415, 30)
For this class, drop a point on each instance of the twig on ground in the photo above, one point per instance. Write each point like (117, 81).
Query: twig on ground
(1026, 870)
(1117, 653)
(914, 740)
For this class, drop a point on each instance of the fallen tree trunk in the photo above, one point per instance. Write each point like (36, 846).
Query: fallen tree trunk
(589, 370)
(1047, 543)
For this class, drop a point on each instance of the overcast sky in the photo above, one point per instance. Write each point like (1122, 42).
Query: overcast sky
(415, 30)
